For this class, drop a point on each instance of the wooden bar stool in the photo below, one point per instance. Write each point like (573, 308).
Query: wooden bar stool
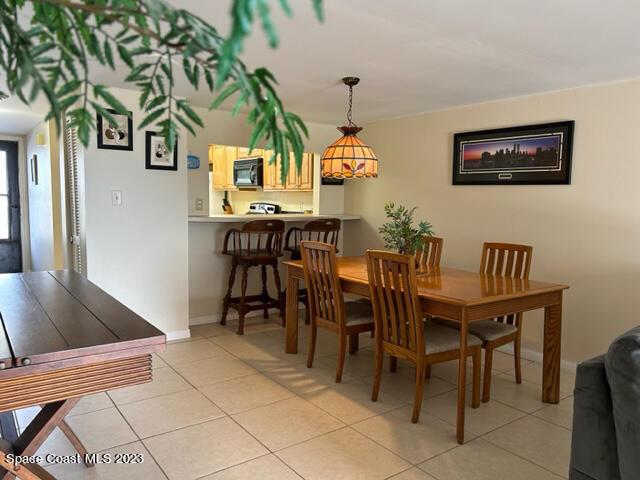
(258, 243)
(326, 230)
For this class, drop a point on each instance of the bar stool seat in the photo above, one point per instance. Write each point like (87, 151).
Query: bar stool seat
(257, 244)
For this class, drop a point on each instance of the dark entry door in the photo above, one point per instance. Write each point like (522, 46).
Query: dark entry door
(10, 246)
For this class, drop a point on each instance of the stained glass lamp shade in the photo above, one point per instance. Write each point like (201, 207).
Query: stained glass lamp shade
(349, 157)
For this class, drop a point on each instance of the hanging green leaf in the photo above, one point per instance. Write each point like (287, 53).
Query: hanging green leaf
(47, 47)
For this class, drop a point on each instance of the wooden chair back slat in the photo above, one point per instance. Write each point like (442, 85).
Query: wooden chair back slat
(429, 254)
(323, 286)
(326, 230)
(256, 238)
(506, 260)
(392, 280)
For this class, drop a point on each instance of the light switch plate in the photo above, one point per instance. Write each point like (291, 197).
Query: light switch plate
(116, 197)
(199, 204)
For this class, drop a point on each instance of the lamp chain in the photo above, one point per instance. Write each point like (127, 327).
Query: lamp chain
(350, 104)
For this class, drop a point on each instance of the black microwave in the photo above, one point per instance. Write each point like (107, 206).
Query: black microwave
(247, 173)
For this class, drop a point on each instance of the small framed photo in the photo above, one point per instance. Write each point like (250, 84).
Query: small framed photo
(158, 156)
(523, 155)
(117, 135)
(34, 169)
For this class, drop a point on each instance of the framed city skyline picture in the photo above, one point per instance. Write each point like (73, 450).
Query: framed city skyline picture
(526, 155)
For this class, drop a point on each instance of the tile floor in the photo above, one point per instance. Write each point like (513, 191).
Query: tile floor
(226, 407)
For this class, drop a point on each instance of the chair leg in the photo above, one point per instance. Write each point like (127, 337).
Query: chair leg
(353, 343)
(427, 372)
(312, 344)
(227, 297)
(307, 314)
(265, 293)
(243, 299)
(377, 375)
(393, 363)
(417, 401)
(342, 350)
(279, 296)
(477, 366)
(516, 354)
(486, 382)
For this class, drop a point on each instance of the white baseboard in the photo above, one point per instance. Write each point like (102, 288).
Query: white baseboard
(178, 335)
(526, 353)
(204, 319)
(215, 318)
(536, 356)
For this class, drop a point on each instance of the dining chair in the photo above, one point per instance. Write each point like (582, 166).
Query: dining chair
(327, 306)
(429, 254)
(326, 230)
(428, 257)
(400, 330)
(504, 260)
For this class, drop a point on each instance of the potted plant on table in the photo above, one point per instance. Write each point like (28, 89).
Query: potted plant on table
(399, 232)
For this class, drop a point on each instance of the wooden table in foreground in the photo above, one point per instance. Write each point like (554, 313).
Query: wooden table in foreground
(463, 297)
(62, 337)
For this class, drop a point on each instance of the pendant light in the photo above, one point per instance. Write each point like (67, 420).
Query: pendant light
(349, 157)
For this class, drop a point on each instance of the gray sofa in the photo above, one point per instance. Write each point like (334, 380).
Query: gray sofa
(606, 416)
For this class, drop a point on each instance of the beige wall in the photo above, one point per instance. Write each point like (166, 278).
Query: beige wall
(585, 234)
(46, 220)
(138, 251)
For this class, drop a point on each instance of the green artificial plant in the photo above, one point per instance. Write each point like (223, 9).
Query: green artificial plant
(50, 46)
(399, 233)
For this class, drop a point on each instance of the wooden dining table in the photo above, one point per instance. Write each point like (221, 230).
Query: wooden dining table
(62, 337)
(460, 296)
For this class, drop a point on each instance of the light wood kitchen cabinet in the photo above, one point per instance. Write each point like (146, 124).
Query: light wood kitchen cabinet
(302, 179)
(244, 152)
(271, 173)
(221, 158)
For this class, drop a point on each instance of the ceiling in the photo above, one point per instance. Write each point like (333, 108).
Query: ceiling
(18, 119)
(422, 55)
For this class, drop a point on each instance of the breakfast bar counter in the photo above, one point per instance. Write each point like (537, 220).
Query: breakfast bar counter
(287, 217)
(209, 269)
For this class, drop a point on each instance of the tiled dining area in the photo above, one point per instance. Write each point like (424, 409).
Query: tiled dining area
(224, 406)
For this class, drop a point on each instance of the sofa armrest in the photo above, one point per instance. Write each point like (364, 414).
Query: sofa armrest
(593, 447)
(622, 363)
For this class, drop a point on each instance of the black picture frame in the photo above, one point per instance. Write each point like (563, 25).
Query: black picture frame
(107, 144)
(331, 181)
(537, 154)
(34, 169)
(150, 164)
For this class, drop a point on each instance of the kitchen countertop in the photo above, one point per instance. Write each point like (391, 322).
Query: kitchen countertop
(287, 217)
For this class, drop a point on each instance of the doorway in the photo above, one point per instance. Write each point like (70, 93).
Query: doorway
(10, 233)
